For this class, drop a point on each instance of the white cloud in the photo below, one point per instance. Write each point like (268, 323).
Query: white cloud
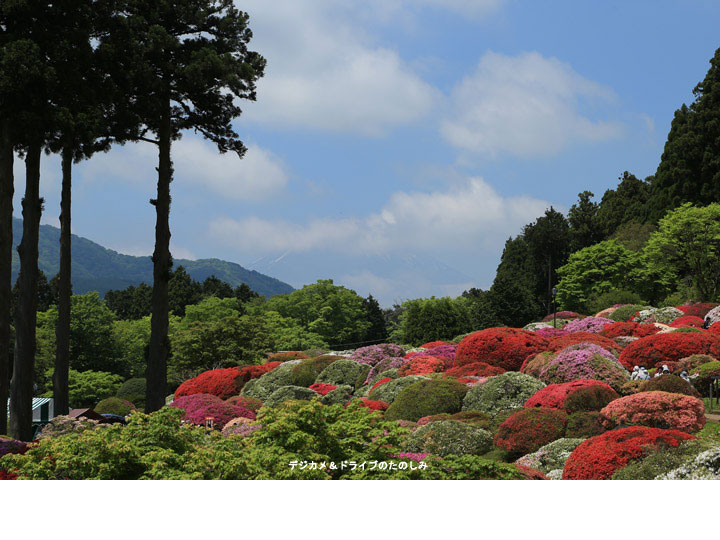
(324, 72)
(525, 105)
(473, 213)
(258, 175)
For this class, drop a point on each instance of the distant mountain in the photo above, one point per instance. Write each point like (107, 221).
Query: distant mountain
(95, 268)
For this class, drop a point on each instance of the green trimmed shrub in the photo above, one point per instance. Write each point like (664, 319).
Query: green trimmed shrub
(344, 371)
(305, 373)
(389, 391)
(670, 383)
(115, 405)
(341, 395)
(449, 437)
(133, 390)
(427, 397)
(288, 393)
(625, 313)
(552, 456)
(262, 387)
(584, 424)
(530, 429)
(663, 460)
(503, 392)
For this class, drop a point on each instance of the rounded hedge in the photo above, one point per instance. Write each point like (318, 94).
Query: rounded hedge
(449, 437)
(115, 405)
(133, 390)
(305, 373)
(423, 398)
(475, 369)
(654, 351)
(656, 409)
(527, 430)
(584, 424)
(625, 313)
(501, 393)
(503, 347)
(632, 329)
(585, 361)
(289, 393)
(266, 384)
(388, 391)
(670, 383)
(574, 396)
(344, 371)
(245, 402)
(599, 457)
(576, 338)
(552, 456)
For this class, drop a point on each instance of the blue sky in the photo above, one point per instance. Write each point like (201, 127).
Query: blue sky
(389, 131)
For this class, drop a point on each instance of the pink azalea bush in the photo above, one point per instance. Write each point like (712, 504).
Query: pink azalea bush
(384, 365)
(198, 407)
(656, 409)
(588, 324)
(585, 361)
(374, 354)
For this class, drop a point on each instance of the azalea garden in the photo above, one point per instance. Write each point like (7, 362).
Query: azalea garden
(553, 400)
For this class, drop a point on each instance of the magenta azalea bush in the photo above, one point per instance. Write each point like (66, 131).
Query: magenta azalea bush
(588, 324)
(375, 354)
(445, 352)
(551, 332)
(198, 407)
(585, 361)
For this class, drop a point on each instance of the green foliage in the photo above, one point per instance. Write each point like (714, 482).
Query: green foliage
(502, 393)
(611, 298)
(132, 338)
(114, 405)
(288, 393)
(305, 373)
(687, 244)
(133, 390)
(625, 313)
(336, 314)
(424, 398)
(662, 460)
(624, 204)
(584, 424)
(433, 319)
(584, 224)
(634, 235)
(87, 388)
(467, 467)
(448, 437)
(263, 386)
(340, 396)
(593, 271)
(344, 371)
(389, 391)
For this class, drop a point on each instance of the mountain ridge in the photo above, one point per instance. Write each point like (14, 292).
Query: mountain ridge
(97, 268)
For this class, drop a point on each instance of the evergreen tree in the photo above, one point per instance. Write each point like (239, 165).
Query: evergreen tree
(186, 63)
(182, 291)
(626, 203)
(377, 330)
(689, 169)
(584, 226)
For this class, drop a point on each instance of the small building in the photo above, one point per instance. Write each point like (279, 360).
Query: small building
(87, 413)
(43, 409)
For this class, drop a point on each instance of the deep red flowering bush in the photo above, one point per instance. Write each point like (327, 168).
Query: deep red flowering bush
(599, 457)
(562, 342)
(245, 402)
(322, 388)
(287, 355)
(503, 347)
(562, 315)
(574, 396)
(654, 351)
(475, 369)
(714, 328)
(433, 344)
(527, 430)
(373, 405)
(529, 473)
(380, 382)
(224, 382)
(656, 409)
(421, 365)
(697, 310)
(5, 475)
(687, 320)
(198, 407)
(629, 328)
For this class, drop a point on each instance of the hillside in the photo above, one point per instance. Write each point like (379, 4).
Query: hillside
(96, 268)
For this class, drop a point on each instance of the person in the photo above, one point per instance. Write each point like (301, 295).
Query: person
(643, 375)
(685, 375)
(706, 324)
(665, 370)
(635, 373)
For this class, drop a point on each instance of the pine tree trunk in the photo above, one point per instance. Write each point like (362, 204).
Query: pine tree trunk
(156, 373)
(62, 329)
(6, 237)
(549, 296)
(21, 386)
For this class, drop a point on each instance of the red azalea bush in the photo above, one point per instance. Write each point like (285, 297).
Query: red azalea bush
(422, 365)
(380, 382)
(562, 315)
(562, 342)
(574, 396)
(433, 344)
(198, 407)
(224, 382)
(373, 405)
(654, 351)
(245, 402)
(475, 369)
(656, 409)
(599, 457)
(527, 430)
(697, 310)
(714, 328)
(6, 475)
(322, 388)
(529, 473)
(629, 328)
(503, 347)
(687, 320)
